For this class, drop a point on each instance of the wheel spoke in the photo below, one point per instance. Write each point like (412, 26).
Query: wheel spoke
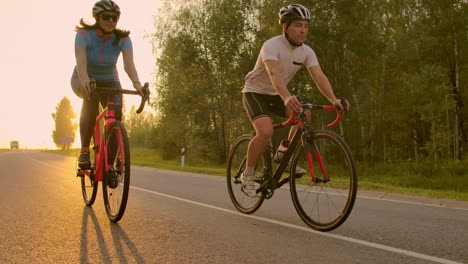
(236, 165)
(116, 181)
(88, 186)
(326, 205)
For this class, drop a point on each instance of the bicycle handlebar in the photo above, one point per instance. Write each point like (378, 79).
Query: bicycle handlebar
(144, 98)
(339, 113)
(293, 117)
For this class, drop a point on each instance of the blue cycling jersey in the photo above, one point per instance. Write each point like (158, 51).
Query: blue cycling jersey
(101, 54)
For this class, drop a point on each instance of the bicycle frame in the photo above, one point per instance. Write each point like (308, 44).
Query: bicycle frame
(301, 134)
(108, 114)
(111, 154)
(101, 155)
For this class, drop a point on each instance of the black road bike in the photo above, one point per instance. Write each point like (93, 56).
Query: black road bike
(324, 196)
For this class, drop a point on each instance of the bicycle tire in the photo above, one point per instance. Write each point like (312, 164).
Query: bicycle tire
(235, 166)
(89, 186)
(324, 206)
(116, 181)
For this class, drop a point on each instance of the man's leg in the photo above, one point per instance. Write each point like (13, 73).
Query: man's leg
(264, 130)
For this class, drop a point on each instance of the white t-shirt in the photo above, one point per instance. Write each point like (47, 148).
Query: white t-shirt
(290, 59)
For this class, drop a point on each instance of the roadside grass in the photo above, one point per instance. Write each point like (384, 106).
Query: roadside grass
(64, 152)
(152, 158)
(4, 150)
(449, 180)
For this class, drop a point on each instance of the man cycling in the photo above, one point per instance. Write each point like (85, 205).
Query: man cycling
(265, 91)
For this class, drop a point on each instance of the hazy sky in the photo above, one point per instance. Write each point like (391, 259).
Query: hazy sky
(37, 59)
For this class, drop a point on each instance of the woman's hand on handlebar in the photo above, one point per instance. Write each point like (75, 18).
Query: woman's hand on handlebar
(138, 87)
(142, 90)
(145, 93)
(87, 87)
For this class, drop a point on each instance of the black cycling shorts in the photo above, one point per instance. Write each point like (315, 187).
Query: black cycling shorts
(260, 105)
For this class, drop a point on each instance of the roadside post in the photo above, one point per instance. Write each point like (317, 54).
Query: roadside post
(182, 157)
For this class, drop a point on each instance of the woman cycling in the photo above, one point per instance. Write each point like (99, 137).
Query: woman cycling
(97, 48)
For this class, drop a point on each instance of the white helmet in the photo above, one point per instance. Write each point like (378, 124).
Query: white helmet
(293, 12)
(105, 5)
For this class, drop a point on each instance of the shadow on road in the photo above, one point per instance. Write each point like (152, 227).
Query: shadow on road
(122, 240)
(124, 247)
(88, 214)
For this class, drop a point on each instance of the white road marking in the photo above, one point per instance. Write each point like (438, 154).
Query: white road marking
(407, 202)
(302, 228)
(307, 229)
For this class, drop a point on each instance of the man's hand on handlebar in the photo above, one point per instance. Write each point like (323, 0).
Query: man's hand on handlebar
(342, 104)
(293, 104)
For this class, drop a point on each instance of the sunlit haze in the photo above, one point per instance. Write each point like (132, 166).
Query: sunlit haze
(37, 59)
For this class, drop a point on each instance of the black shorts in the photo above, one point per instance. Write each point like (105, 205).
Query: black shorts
(259, 105)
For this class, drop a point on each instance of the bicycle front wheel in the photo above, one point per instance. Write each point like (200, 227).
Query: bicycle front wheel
(235, 166)
(326, 204)
(89, 186)
(116, 180)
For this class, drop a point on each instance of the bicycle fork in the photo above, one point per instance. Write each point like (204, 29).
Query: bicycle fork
(309, 148)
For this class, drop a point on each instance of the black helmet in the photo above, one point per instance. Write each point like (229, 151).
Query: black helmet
(105, 5)
(293, 12)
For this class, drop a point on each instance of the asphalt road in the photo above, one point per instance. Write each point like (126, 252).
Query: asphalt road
(175, 217)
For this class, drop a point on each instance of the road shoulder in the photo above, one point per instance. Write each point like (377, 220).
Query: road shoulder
(450, 203)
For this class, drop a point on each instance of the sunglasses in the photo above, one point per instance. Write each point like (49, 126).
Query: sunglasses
(107, 17)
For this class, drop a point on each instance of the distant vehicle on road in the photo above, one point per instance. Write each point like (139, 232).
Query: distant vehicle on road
(14, 144)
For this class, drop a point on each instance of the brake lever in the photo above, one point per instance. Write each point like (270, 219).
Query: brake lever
(146, 92)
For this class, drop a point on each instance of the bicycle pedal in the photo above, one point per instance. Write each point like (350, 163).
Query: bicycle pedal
(298, 175)
(321, 180)
(249, 195)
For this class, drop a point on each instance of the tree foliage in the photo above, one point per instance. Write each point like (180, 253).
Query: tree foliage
(65, 127)
(140, 127)
(401, 64)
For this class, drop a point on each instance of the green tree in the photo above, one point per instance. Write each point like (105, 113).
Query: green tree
(65, 128)
(140, 127)
(427, 112)
(392, 60)
(202, 48)
(444, 23)
(425, 37)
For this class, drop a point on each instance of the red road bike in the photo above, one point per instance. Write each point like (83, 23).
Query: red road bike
(324, 196)
(110, 157)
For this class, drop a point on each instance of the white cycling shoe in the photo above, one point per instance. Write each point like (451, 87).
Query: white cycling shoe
(249, 185)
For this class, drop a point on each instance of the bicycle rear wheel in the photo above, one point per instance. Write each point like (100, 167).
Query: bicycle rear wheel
(116, 180)
(235, 166)
(324, 206)
(89, 186)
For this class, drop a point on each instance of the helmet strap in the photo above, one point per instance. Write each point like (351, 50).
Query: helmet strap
(287, 37)
(292, 42)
